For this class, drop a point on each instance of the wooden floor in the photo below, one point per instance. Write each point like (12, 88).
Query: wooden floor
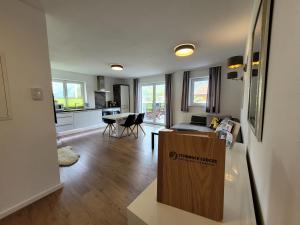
(110, 174)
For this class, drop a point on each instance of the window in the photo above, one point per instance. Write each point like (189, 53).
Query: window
(198, 91)
(152, 102)
(69, 93)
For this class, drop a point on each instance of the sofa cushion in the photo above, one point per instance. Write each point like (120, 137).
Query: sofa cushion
(224, 131)
(198, 120)
(209, 118)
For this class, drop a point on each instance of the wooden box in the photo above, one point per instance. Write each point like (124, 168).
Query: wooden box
(191, 169)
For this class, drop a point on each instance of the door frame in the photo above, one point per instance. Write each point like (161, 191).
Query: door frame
(153, 84)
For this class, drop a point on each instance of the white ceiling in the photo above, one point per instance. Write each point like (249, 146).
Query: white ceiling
(87, 36)
(37, 4)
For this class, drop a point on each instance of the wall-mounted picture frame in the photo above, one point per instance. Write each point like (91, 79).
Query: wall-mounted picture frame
(259, 67)
(5, 104)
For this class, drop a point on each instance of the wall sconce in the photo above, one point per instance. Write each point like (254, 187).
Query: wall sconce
(255, 58)
(235, 62)
(234, 76)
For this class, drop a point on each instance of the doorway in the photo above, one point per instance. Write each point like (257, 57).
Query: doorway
(153, 103)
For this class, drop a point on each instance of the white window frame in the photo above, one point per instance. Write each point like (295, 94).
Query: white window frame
(154, 98)
(64, 81)
(191, 91)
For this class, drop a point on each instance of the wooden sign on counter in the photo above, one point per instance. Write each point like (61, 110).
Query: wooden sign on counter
(191, 169)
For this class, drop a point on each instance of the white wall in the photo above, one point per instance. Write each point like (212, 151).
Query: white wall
(90, 83)
(231, 94)
(178, 115)
(108, 83)
(275, 160)
(89, 80)
(152, 79)
(28, 157)
(231, 90)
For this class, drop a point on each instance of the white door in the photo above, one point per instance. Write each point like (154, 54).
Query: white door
(124, 99)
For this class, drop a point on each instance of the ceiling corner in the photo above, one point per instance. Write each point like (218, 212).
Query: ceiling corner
(36, 4)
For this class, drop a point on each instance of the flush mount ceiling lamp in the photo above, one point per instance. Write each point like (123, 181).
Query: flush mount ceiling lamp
(184, 50)
(117, 67)
(235, 62)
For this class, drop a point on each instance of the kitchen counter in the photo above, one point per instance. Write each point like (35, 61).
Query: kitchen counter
(71, 121)
(83, 109)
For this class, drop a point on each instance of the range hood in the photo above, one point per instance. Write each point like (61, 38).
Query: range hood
(100, 85)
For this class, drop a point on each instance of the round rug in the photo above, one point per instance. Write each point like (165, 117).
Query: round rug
(66, 156)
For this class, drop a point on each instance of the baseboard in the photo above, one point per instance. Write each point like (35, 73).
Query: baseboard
(30, 200)
(256, 202)
(79, 130)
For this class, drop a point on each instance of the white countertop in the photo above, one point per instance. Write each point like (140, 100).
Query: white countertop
(238, 204)
(119, 116)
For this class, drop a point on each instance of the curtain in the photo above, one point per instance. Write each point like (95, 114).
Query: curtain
(168, 78)
(185, 92)
(136, 95)
(214, 88)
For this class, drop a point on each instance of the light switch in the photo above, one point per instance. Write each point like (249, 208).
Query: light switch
(37, 94)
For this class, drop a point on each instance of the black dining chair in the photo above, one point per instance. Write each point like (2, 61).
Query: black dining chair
(137, 123)
(127, 125)
(110, 123)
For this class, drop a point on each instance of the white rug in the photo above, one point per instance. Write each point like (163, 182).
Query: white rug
(66, 156)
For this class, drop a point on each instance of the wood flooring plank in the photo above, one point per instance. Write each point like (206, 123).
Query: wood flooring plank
(109, 175)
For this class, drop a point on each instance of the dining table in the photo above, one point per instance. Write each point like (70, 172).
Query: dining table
(119, 119)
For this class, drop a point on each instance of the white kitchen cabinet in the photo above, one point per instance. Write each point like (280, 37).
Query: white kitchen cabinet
(78, 121)
(65, 118)
(64, 128)
(89, 118)
(5, 109)
(65, 121)
(124, 99)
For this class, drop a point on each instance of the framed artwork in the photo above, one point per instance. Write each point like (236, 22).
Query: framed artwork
(5, 106)
(259, 67)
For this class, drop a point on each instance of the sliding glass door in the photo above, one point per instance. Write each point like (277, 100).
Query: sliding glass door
(153, 102)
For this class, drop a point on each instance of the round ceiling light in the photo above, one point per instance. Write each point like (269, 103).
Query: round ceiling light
(116, 67)
(183, 50)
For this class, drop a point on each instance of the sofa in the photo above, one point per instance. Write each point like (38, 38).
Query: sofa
(202, 123)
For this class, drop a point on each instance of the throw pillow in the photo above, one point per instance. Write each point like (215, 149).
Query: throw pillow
(198, 120)
(211, 116)
(224, 131)
(214, 123)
